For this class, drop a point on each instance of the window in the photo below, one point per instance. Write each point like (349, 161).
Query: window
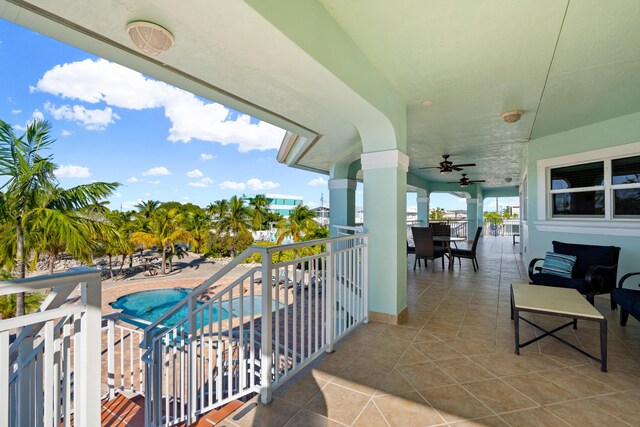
(604, 189)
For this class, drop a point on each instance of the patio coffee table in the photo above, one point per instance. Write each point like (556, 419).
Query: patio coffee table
(559, 302)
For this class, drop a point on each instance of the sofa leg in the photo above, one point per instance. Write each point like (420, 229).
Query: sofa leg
(590, 298)
(614, 306)
(624, 316)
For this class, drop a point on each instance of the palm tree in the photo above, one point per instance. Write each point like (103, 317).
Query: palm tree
(31, 181)
(119, 243)
(259, 211)
(164, 232)
(236, 221)
(299, 223)
(436, 213)
(218, 209)
(198, 223)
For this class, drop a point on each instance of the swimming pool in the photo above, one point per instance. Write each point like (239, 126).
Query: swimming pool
(152, 304)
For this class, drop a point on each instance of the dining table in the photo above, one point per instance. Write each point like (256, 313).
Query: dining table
(447, 240)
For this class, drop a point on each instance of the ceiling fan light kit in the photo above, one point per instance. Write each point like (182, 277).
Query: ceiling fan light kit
(512, 116)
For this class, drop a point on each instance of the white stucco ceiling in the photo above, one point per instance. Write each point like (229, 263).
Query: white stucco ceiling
(565, 64)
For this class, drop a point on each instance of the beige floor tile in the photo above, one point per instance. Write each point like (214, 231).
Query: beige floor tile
(390, 344)
(411, 356)
(436, 350)
(539, 389)
(377, 360)
(537, 417)
(371, 417)
(472, 347)
(585, 413)
(300, 390)
(622, 405)
(454, 403)
(425, 375)
(405, 410)
(494, 421)
(463, 370)
(394, 383)
(307, 418)
(338, 403)
(359, 378)
(255, 414)
(578, 383)
(400, 331)
(499, 396)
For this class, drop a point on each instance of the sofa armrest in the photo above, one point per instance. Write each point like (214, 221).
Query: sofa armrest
(532, 267)
(625, 277)
(592, 275)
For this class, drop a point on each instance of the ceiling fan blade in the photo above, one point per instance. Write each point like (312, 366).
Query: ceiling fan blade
(456, 168)
(431, 167)
(464, 164)
(478, 180)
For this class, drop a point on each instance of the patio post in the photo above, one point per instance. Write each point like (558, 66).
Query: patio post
(342, 200)
(472, 218)
(422, 202)
(385, 201)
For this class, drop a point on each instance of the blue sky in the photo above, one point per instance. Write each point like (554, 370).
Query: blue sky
(159, 142)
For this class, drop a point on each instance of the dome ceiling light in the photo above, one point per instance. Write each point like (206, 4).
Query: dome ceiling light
(150, 38)
(512, 116)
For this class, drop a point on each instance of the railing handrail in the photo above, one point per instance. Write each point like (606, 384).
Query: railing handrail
(264, 250)
(30, 284)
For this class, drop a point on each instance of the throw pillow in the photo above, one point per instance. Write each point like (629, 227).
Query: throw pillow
(558, 264)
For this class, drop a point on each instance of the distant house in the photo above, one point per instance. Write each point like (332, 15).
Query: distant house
(322, 215)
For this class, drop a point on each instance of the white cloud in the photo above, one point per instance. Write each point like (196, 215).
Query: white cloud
(131, 204)
(89, 119)
(16, 111)
(191, 118)
(133, 179)
(117, 195)
(231, 185)
(257, 185)
(194, 173)
(317, 181)
(72, 171)
(37, 115)
(157, 171)
(20, 128)
(203, 183)
(206, 156)
(66, 133)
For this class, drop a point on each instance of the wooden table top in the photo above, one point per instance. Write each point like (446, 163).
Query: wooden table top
(559, 301)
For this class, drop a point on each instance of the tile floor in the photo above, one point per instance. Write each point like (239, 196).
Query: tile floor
(453, 363)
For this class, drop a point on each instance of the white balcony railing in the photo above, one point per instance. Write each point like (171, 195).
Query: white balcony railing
(51, 371)
(257, 332)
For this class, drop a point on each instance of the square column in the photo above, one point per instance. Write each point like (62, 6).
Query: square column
(472, 218)
(342, 200)
(385, 201)
(423, 209)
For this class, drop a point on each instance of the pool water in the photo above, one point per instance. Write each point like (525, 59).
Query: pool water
(152, 304)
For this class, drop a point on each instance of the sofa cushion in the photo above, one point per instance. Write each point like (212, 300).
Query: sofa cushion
(558, 264)
(628, 299)
(587, 255)
(562, 282)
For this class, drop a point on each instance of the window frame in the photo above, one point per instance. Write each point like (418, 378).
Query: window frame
(609, 223)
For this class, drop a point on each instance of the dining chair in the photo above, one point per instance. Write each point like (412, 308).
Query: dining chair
(468, 253)
(441, 229)
(424, 248)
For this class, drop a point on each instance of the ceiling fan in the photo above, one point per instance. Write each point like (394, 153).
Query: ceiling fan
(464, 181)
(446, 166)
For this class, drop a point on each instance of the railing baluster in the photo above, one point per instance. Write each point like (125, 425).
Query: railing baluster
(4, 379)
(266, 361)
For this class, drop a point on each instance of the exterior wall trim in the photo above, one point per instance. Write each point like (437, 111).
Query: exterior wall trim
(342, 184)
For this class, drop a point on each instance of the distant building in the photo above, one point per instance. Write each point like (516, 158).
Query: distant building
(278, 203)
